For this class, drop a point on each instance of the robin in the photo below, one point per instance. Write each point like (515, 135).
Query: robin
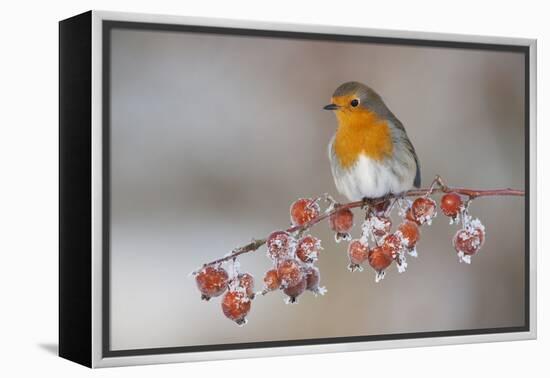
(370, 155)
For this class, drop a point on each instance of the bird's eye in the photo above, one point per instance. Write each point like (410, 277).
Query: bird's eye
(354, 102)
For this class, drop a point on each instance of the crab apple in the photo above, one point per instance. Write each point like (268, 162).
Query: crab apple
(423, 210)
(450, 204)
(380, 225)
(358, 253)
(313, 277)
(271, 280)
(295, 291)
(341, 221)
(410, 233)
(279, 245)
(308, 248)
(246, 281)
(303, 211)
(236, 305)
(289, 272)
(392, 245)
(212, 281)
(380, 258)
(469, 240)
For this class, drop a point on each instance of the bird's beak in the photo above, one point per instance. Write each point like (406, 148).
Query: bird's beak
(331, 107)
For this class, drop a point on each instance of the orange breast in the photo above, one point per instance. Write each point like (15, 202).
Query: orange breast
(361, 132)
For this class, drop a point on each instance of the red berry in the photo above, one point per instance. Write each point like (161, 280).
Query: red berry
(380, 225)
(308, 249)
(313, 277)
(410, 217)
(410, 233)
(246, 281)
(271, 280)
(451, 204)
(358, 252)
(303, 211)
(392, 245)
(380, 258)
(212, 281)
(289, 272)
(236, 305)
(423, 210)
(295, 291)
(469, 241)
(341, 221)
(279, 245)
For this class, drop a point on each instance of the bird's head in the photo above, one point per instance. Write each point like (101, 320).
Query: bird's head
(353, 99)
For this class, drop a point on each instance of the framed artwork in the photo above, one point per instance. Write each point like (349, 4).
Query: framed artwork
(232, 189)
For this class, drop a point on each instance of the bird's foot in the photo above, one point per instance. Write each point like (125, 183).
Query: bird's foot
(382, 204)
(367, 202)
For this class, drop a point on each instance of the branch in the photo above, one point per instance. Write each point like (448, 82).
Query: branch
(437, 186)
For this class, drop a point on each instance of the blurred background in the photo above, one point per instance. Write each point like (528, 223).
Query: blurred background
(213, 137)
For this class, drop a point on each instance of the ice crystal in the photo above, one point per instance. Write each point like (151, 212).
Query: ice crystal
(364, 239)
(464, 258)
(355, 267)
(379, 276)
(320, 291)
(401, 263)
(412, 252)
(403, 204)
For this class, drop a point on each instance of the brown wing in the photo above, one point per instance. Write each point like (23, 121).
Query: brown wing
(404, 138)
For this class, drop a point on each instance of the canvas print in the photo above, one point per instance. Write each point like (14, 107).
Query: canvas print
(276, 190)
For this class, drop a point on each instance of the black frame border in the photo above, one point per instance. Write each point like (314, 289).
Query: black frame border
(109, 25)
(75, 190)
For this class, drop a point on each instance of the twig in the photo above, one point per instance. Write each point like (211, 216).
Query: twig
(437, 186)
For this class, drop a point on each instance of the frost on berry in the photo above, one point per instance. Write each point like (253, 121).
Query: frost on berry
(246, 282)
(236, 305)
(289, 272)
(379, 259)
(211, 281)
(403, 205)
(451, 204)
(377, 226)
(295, 291)
(358, 253)
(303, 211)
(341, 222)
(393, 245)
(280, 245)
(469, 240)
(423, 210)
(409, 233)
(271, 280)
(308, 249)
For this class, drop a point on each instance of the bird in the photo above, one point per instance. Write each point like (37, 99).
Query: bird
(371, 155)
